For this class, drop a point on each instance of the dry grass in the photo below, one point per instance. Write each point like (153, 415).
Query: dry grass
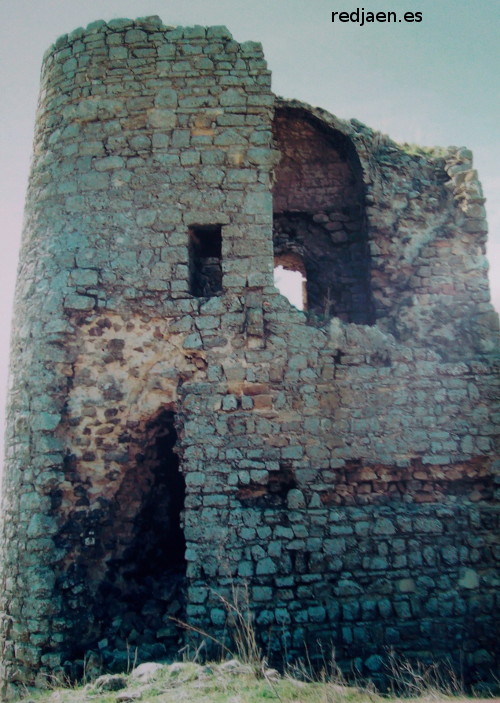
(228, 682)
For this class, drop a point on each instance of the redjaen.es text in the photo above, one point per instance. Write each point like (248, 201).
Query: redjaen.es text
(361, 16)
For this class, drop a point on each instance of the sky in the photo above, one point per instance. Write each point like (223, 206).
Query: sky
(433, 82)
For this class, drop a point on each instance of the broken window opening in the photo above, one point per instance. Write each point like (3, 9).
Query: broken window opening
(205, 261)
(291, 280)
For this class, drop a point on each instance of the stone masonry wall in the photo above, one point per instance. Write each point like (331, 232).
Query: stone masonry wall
(166, 447)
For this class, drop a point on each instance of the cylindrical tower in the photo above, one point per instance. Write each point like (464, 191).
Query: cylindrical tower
(151, 161)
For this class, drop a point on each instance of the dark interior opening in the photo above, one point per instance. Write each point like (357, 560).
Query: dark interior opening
(159, 543)
(320, 218)
(336, 279)
(205, 261)
(145, 587)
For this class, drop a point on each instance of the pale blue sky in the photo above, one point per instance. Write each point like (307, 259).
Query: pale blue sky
(433, 83)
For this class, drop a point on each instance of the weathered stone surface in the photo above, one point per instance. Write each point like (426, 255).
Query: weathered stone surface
(146, 671)
(110, 682)
(180, 435)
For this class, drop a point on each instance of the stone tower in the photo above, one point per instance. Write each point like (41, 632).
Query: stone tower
(178, 429)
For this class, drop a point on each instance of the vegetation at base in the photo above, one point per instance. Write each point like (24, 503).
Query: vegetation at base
(227, 682)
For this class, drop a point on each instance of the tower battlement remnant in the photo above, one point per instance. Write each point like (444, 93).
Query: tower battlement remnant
(177, 429)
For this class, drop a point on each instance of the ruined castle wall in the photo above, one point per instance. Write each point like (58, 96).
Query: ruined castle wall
(426, 225)
(360, 518)
(428, 233)
(343, 473)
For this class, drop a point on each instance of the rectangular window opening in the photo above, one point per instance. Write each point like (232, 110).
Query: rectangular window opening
(205, 260)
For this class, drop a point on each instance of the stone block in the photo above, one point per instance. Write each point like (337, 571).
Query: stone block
(162, 118)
